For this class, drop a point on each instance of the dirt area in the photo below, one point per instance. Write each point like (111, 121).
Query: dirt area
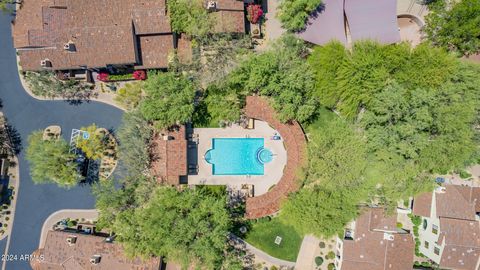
(410, 30)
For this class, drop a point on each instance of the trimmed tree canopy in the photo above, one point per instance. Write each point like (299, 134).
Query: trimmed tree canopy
(169, 99)
(51, 161)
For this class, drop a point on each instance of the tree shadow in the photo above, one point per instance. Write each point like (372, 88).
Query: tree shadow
(15, 141)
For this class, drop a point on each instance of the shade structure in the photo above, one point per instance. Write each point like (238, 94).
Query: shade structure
(373, 19)
(326, 24)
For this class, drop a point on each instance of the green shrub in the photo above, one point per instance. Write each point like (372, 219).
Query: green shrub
(331, 266)
(318, 260)
(399, 225)
(120, 77)
(330, 255)
(464, 174)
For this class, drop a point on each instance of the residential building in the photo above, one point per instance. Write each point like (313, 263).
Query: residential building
(66, 250)
(373, 242)
(450, 233)
(79, 36)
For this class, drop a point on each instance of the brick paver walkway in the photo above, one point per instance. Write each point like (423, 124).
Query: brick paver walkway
(295, 144)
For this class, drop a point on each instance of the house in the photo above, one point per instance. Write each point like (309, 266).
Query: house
(450, 233)
(347, 21)
(373, 242)
(88, 35)
(66, 250)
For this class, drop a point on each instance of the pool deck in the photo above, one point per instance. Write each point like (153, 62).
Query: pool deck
(273, 170)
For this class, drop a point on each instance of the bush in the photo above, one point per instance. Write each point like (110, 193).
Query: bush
(464, 174)
(330, 255)
(318, 260)
(399, 225)
(294, 13)
(7, 218)
(331, 266)
(321, 244)
(254, 13)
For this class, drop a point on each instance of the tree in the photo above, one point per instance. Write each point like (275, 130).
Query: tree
(294, 13)
(134, 137)
(323, 212)
(96, 143)
(282, 74)
(187, 227)
(455, 25)
(130, 95)
(190, 17)
(51, 161)
(335, 182)
(169, 99)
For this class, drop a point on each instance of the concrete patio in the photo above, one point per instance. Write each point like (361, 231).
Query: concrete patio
(273, 170)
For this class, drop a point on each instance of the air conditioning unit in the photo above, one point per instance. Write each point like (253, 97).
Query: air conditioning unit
(71, 240)
(46, 63)
(212, 6)
(95, 259)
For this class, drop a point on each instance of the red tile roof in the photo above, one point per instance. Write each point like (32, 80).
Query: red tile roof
(229, 17)
(58, 254)
(371, 248)
(103, 32)
(462, 243)
(457, 202)
(153, 46)
(422, 204)
(169, 156)
(295, 144)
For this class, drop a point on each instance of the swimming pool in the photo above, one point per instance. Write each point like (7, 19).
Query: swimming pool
(238, 156)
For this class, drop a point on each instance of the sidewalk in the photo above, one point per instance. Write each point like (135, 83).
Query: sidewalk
(88, 214)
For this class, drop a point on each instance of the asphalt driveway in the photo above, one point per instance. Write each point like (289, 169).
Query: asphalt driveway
(36, 202)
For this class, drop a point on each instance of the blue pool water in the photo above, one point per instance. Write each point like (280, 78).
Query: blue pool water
(238, 156)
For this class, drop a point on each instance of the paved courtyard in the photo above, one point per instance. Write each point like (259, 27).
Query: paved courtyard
(273, 170)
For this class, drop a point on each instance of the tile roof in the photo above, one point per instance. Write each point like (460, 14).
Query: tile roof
(422, 204)
(229, 17)
(295, 144)
(462, 243)
(169, 157)
(103, 32)
(60, 255)
(457, 202)
(153, 46)
(374, 249)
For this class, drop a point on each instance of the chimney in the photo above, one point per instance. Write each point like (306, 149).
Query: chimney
(45, 63)
(95, 259)
(212, 6)
(71, 240)
(70, 47)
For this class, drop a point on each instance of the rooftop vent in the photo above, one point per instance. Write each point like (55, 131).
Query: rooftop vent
(46, 63)
(71, 240)
(70, 46)
(388, 236)
(95, 259)
(212, 6)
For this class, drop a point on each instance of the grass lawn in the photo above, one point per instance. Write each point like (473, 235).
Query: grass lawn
(263, 233)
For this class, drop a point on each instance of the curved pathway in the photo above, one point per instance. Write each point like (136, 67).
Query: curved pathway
(26, 114)
(296, 146)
